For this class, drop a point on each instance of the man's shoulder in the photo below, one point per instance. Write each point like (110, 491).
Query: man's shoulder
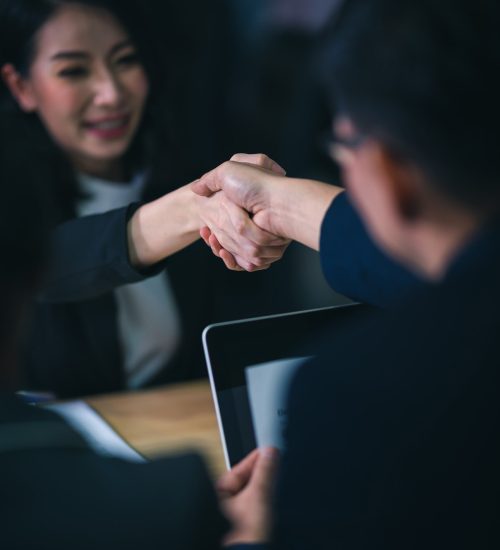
(127, 504)
(453, 326)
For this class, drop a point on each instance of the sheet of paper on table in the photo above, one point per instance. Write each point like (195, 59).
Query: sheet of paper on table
(99, 435)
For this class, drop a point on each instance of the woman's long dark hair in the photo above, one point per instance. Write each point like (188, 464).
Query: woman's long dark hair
(20, 20)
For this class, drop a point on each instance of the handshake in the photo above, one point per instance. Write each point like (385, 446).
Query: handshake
(250, 211)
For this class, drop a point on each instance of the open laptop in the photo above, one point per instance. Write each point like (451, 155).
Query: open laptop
(251, 363)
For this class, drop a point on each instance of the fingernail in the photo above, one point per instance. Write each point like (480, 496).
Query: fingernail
(270, 453)
(279, 169)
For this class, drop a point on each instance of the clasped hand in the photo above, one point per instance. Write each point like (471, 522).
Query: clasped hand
(236, 211)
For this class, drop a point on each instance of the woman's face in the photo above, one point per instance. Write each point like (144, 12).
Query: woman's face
(87, 86)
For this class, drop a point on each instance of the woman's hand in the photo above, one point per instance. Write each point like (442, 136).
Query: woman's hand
(257, 247)
(234, 237)
(174, 221)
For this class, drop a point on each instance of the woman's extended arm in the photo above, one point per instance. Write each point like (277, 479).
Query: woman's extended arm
(95, 254)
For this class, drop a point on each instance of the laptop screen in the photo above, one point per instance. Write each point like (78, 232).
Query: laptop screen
(251, 363)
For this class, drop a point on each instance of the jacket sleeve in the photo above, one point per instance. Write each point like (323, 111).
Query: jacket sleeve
(90, 257)
(85, 501)
(353, 265)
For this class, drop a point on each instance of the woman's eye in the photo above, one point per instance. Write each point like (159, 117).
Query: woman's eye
(72, 72)
(128, 59)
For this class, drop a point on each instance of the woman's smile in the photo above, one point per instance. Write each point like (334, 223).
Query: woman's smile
(108, 128)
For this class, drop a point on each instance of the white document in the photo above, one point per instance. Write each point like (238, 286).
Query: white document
(99, 435)
(268, 385)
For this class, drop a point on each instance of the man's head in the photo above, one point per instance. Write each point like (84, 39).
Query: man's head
(416, 89)
(23, 247)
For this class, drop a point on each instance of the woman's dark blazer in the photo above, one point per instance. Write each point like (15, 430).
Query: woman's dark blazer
(74, 346)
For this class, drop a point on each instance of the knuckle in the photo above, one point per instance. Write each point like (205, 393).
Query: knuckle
(278, 253)
(253, 252)
(259, 239)
(224, 167)
(260, 263)
(246, 265)
(240, 227)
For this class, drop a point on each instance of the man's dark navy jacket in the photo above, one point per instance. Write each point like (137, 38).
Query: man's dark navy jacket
(393, 438)
(354, 265)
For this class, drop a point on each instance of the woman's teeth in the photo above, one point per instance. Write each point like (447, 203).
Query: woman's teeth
(109, 124)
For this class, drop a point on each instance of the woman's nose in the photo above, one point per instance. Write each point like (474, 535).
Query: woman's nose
(108, 91)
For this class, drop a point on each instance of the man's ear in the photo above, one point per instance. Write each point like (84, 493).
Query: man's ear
(19, 87)
(402, 180)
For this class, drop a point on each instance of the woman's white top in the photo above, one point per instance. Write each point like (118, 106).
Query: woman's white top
(148, 319)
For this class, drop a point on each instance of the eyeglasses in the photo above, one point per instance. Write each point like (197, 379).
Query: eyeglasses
(340, 149)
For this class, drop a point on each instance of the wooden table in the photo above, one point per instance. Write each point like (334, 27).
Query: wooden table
(161, 421)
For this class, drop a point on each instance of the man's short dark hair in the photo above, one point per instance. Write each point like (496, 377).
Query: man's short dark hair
(421, 76)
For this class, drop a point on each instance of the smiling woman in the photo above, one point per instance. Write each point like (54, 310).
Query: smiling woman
(87, 85)
(82, 84)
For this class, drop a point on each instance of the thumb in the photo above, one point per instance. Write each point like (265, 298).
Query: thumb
(261, 160)
(209, 183)
(265, 470)
(237, 478)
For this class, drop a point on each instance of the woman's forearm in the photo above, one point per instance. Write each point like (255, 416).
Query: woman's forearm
(162, 227)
